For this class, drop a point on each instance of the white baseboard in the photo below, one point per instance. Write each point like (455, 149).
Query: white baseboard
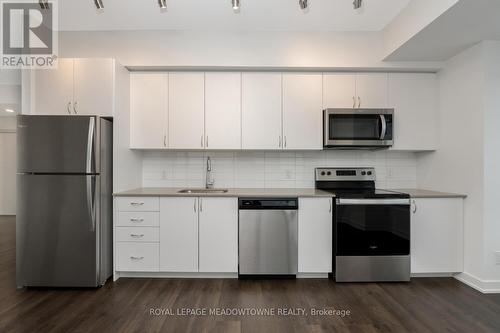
(312, 275)
(484, 286)
(418, 275)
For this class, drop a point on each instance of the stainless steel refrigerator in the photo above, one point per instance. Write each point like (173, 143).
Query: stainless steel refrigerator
(64, 206)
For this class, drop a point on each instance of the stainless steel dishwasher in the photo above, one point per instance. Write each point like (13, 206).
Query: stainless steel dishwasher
(267, 236)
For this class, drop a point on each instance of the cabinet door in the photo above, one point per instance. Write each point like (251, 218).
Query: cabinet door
(339, 91)
(186, 109)
(93, 87)
(179, 234)
(371, 90)
(437, 235)
(414, 99)
(315, 235)
(53, 89)
(302, 111)
(218, 235)
(261, 111)
(148, 110)
(223, 110)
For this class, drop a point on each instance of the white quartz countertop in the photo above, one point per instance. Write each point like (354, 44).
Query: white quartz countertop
(232, 192)
(267, 192)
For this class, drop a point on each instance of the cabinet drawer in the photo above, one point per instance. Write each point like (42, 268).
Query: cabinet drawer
(138, 204)
(142, 257)
(138, 219)
(137, 234)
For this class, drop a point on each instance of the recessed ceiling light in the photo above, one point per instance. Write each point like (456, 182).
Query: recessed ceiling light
(357, 4)
(162, 4)
(9, 110)
(236, 4)
(303, 4)
(99, 4)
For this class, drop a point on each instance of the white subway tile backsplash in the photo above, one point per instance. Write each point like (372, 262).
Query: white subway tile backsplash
(272, 169)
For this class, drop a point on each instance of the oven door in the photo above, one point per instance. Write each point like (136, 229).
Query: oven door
(372, 227)
(358, 127)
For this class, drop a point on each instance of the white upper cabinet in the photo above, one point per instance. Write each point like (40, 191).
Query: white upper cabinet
(52, 90)
(371, 90)
(261, 111)
(437, 235)
(179, 234)
(339, 90)
(414, 99)
(186, 109)
(218, 238)
(93, 86)
(82, 86)
(302, 111)
(148, 110)
(223, 110)
(315, 235)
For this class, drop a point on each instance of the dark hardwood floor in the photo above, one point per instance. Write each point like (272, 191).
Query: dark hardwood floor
(424, 305)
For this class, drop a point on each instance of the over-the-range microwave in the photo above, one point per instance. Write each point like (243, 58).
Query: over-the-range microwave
(358, 128)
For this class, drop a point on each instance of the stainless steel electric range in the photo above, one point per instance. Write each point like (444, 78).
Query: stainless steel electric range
(371, 227)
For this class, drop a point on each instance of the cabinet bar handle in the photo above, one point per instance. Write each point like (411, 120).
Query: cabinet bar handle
(137, 203)
(353, 102)
(201, 141)
(201, 204)
(136, 236)
(330, 209)
(284, 141)
(194, 205)
(74, 107)
(414, 206)
(136, 258)
(359, 102)
(206, 142)
(68, 107)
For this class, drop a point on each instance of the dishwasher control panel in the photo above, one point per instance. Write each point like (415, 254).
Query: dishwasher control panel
(269, 203)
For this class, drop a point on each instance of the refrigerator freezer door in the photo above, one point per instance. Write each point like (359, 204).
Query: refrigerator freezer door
(57, 230)
(58, 144)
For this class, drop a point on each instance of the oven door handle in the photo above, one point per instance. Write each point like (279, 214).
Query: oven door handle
(405, 202)
(383, 131)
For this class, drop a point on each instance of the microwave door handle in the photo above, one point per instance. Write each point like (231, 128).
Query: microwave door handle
(384, 127)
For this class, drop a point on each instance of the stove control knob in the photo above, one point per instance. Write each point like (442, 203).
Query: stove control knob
(328, 173)
(363, 173)
(322, 173)
(369, 173)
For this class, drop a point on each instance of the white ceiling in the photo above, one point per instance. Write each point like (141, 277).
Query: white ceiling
(322, 15)
(467, 23)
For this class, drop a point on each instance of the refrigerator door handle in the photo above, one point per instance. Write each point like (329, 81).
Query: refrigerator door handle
(90, 200)
(90, 144)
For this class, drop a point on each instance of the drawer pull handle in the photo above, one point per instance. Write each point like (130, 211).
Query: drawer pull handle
(136, 236)
(137, 220)
(136, 258)
(137, 203)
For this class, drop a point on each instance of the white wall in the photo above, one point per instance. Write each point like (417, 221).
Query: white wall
(234, 48)
(272, 169)
(7, 166)
(467, 160)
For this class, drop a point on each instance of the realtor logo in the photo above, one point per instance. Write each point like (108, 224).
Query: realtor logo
(29, 33)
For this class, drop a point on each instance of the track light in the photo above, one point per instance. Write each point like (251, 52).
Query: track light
(357, 4)
(303, 4)
(44, 4)
(99, 4)
(162, 4)
(236, 4)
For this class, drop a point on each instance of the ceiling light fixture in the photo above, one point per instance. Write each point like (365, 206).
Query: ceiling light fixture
(357, 4)
(9, 110)
(236, 4)
(162, 4)
(303, 4)
(99, 4)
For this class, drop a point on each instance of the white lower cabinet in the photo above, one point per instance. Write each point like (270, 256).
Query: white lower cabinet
(315, 235)
(218, 235)
(437, 235)
(179, 234)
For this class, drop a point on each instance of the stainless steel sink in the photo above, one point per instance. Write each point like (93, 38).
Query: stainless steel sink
(203, 190)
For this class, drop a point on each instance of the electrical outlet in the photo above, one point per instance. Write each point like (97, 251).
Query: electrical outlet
(497, 258)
